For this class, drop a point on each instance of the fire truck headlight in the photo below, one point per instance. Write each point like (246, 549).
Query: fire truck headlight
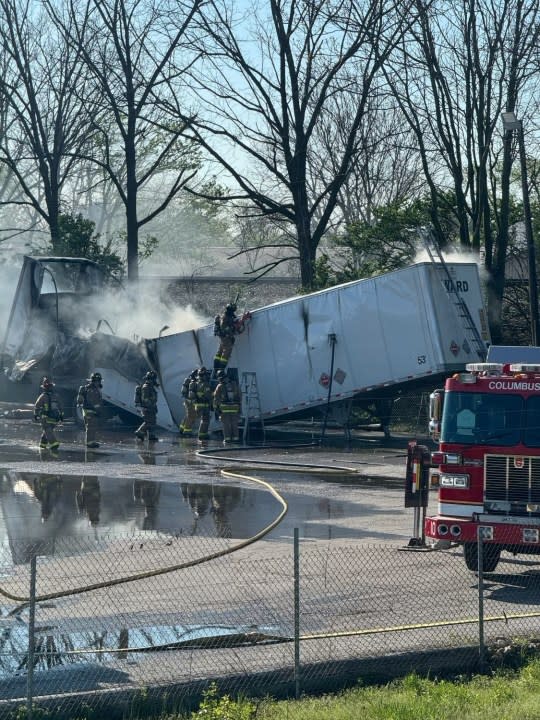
(441, 458)
(454, 481)
(530, 535)
(485, 532)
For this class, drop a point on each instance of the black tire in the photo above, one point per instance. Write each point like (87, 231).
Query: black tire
(491, 556)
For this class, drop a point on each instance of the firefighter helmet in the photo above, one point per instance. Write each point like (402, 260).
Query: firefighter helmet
(221, 374)
(202, 371)
(231, 308)
(193, 374)
(151, 376)
(96, 377)
(46, 383)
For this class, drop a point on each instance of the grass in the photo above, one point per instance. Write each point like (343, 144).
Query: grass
(504, 696)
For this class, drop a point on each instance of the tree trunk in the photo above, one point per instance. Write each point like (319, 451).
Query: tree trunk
(132, 225)
(306, 251)
(53, 210)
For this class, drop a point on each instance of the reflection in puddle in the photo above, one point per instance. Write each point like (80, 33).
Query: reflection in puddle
(54, 647)
(38, 510)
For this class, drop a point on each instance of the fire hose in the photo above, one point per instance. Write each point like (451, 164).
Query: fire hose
(198, 561)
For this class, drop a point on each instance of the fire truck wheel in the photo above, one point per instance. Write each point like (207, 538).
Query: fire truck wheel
(491, 556)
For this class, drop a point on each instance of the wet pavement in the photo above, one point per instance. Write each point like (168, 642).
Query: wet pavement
(169, 487)
(134, 512)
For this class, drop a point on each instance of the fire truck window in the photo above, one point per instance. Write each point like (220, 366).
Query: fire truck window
(481, 418)
(532, 423)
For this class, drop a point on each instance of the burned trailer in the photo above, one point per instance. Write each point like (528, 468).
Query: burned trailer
(55, 328)
(359, 343)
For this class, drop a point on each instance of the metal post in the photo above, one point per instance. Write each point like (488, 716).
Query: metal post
(481, 643)
(416, 523)
(296, 613)
(533, 289)
(31, 639)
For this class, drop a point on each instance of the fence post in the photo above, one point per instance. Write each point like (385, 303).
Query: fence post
(296, 613)
(31, 638)
(481, 643)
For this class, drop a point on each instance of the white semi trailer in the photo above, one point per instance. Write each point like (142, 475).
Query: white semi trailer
(362, 341)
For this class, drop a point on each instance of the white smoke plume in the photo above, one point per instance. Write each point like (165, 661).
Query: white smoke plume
(135, 314)
(453, 255)
(146, 315)
(132, 313)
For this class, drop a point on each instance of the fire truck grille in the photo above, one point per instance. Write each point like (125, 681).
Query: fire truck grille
(512, 479)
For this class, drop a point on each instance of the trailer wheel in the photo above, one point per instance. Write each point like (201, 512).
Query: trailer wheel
(491, 556)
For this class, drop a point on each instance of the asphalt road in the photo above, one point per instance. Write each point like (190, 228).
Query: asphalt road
(364, 503)
(362, 593)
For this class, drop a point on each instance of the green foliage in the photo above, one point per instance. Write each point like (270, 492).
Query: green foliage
(209, 203)
(83, 712)
(78, 239)
(214, 707)
(500, 697)
(389, 242)
(147, 244)
(38, 713)
(324, 275)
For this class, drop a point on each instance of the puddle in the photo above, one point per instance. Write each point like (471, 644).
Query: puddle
(53, 647)
(38, 510)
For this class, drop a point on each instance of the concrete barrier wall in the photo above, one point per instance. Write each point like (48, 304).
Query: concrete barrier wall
(208, 295)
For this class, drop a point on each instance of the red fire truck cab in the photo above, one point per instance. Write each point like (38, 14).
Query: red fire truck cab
(487, 424)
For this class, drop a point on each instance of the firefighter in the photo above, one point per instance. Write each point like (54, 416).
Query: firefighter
(228, 402)
(148, 407)
(227, 327)
(48, 412)
(186, 426)
(90, 399)
(200, 393)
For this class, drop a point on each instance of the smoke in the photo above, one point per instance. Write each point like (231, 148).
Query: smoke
(130, 313)
(136, 313)
(9, 276)
(452, 255)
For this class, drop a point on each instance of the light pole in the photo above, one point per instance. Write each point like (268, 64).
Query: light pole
(510, 123)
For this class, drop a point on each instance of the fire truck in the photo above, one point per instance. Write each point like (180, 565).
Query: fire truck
(486, 422)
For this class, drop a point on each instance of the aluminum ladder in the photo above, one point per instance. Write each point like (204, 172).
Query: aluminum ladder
(253, 419)
(435, 255)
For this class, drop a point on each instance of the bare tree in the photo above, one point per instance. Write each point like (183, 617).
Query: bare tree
(386, 169)
(265, 85)
(457, 68)
(128, 47)
(46, 123)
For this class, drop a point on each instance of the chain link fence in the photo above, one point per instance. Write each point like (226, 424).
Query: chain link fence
(129, 623)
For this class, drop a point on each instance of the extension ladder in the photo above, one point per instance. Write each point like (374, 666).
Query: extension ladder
(471, 330)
